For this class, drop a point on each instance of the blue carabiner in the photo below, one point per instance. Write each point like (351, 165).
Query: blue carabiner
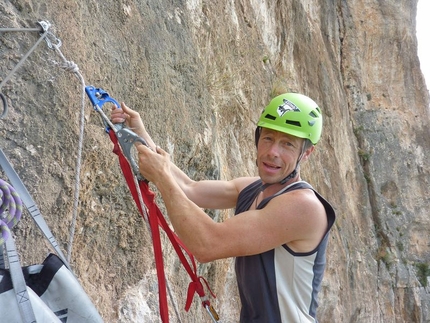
(126, 138)
(98, 96)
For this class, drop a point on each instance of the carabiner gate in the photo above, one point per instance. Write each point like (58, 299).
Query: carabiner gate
(212, 313)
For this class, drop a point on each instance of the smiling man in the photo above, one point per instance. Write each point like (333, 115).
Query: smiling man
(279, 233)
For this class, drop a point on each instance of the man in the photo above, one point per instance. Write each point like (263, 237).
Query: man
(280, 231)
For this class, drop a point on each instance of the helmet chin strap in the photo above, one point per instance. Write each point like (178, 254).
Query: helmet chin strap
(282, 182)
(292, 175)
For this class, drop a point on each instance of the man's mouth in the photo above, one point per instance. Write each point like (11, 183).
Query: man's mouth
(271, 166)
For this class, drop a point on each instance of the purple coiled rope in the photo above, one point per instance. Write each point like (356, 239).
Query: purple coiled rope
(10, 210)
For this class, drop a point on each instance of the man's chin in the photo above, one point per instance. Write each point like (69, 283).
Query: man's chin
(270, 179)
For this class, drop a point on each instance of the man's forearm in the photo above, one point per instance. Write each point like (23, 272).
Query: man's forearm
(190, 222)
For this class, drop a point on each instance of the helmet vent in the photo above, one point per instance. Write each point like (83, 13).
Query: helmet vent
(293, 123)
(269, 116)
(313, 114)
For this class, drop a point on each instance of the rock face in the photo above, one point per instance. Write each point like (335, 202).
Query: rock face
(200, 72)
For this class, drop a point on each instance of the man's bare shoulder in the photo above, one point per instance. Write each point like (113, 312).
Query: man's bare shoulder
(241, 182)
(301, 201)
(303, 214)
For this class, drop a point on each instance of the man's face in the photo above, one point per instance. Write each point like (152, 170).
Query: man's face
(277, 155)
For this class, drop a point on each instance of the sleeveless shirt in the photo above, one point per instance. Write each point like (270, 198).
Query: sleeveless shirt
(280, 285)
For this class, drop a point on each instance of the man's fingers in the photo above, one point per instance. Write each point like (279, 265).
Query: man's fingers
(129, 111)
(160, 150)
(141, 148)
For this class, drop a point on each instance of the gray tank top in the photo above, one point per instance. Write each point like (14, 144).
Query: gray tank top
(280, 285)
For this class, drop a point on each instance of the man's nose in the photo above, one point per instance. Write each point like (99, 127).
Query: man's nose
(274, 149)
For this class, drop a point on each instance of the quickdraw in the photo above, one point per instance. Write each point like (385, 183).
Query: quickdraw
(123, 140)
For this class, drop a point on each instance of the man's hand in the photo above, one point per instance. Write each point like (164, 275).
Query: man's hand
(154, 165)
(128, 116)
(132, 120)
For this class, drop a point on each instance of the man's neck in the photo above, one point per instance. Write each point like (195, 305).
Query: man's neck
(276, 187)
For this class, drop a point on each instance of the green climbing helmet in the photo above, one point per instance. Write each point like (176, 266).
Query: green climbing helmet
(294, 114)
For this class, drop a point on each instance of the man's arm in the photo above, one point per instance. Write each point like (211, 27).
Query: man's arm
(210, 194)
(296, 218)
(206, 194)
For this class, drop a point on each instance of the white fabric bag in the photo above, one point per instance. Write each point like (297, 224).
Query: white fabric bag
(55, 295)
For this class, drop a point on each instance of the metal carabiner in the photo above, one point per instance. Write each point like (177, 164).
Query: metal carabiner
(212, 313)
(45, 25)
(98, 97)
(127, 139)
(3, 99)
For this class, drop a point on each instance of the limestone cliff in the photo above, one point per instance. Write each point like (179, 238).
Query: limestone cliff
(200, 73)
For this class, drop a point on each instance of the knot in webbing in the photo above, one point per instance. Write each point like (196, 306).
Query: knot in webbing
(10, 210)
(196, 286)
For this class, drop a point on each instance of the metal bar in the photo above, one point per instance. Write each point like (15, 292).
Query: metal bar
(21, 29)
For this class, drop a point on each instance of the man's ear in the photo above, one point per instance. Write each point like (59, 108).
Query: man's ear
(308, 152)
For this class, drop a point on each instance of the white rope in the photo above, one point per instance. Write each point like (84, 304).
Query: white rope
(71, 67)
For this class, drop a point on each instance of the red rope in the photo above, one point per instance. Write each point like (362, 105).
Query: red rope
(156, 220)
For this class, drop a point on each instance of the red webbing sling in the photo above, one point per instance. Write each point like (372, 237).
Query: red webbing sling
(156, 219)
